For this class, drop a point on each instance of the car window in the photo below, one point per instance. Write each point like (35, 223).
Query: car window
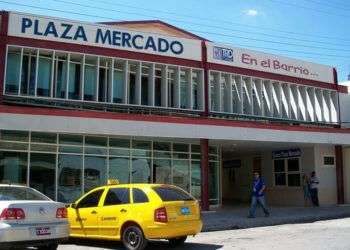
(21, 193)
(172, 194)
(91, 200)
(117, 196)
(139, 196)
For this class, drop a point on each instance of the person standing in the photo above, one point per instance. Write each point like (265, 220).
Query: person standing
(306, 189)
(314, 189)
(258, 196)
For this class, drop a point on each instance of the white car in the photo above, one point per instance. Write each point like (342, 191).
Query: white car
(29, 218)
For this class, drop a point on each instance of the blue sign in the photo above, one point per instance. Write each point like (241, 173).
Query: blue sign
(101, 36)
(288, 153)
(223, 54)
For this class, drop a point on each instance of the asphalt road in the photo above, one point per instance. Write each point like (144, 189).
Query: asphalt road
(332, 234)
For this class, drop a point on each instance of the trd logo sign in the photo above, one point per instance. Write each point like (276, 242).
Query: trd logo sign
(223, 54)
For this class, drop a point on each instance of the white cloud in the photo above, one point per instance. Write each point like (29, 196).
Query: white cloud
(251, 12)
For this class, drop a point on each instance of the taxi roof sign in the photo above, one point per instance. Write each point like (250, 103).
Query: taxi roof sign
(112, 182)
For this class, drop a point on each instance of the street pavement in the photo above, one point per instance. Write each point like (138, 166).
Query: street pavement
(331, 234)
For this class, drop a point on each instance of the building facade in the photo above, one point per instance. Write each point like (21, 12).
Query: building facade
(148, 102)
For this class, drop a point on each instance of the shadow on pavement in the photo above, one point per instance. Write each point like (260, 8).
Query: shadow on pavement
(154, 245)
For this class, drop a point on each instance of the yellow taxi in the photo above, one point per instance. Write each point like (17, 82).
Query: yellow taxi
(135, 213)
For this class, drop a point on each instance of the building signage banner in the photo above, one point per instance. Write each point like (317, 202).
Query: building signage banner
(107, 36)
(288, 153)
(250, 59)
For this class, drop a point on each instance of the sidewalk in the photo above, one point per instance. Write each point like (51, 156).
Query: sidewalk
(236, 217)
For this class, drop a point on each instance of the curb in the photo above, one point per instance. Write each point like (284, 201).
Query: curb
(264, 223)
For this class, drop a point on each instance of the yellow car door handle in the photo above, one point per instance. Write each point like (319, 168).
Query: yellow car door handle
(123, 210)
(93, 212)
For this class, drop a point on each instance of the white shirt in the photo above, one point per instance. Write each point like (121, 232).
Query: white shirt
(314, 182)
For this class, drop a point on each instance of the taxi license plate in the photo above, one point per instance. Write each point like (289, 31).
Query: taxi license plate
(40, 231)
(185, 211)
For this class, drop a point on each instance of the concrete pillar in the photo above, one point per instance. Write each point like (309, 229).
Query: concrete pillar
(205, 173)
(339, 164)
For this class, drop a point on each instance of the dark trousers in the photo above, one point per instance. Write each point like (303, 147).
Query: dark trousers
(314, 196)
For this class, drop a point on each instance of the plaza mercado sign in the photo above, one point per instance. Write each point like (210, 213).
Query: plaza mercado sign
(107, 36)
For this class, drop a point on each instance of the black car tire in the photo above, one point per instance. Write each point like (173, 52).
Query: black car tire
(133, 238)
(52, 246)
(177, 241)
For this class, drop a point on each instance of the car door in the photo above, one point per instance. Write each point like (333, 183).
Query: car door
(116, 208)
(85, 216)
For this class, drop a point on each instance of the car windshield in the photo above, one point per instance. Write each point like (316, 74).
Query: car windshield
(172, 194)
(20, 193)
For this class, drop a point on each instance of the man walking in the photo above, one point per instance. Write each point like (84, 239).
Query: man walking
(258, 196)
(314, 189)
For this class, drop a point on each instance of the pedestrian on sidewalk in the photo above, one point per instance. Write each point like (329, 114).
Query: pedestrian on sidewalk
(258, 196)
(314, 189)
(306, 189)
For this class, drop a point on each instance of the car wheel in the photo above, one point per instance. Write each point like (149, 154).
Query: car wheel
(49, 247)
(133, 238)
(177, 241)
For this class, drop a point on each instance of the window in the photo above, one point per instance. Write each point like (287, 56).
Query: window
(60, 78)
(172, 194)
(90, 82)
(44, 75)
(287, 172)
(139, 196)
(12, 72)
(117, 196)
(118, 82)
(74, 81)
(91, 200)
(158, 87)
(13, 167)
(328, 161)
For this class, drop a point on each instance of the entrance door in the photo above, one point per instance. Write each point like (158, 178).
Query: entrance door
(257, 164)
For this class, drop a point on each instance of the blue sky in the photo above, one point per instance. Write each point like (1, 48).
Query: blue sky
(313, 30)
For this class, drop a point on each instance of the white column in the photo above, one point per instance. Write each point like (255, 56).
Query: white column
(36, 71)
(52, 73)
(334, 106)
(189, 89)
(67, 75)
(177, 87)
(239, 93)
(138, 80)
(20, 73)
(126, 82)
(164, 97)
(151, 80)
(97, 77)
(217, 87)
(111, 80)
(82, 77)
(201, 100)
(228, 94)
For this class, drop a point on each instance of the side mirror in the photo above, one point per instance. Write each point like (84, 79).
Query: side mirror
(74, 205)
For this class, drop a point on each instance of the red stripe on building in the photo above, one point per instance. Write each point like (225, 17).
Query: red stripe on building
(165, 119)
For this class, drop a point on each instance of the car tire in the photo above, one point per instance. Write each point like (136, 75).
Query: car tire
(133, 238)
(52, 246)
(177, 241)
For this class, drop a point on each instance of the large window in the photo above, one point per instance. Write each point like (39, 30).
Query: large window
(65, 166)
(287, 172)
(42, 173)
(13, 72)
(13, 167)
(91, 78)
(44, 74)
